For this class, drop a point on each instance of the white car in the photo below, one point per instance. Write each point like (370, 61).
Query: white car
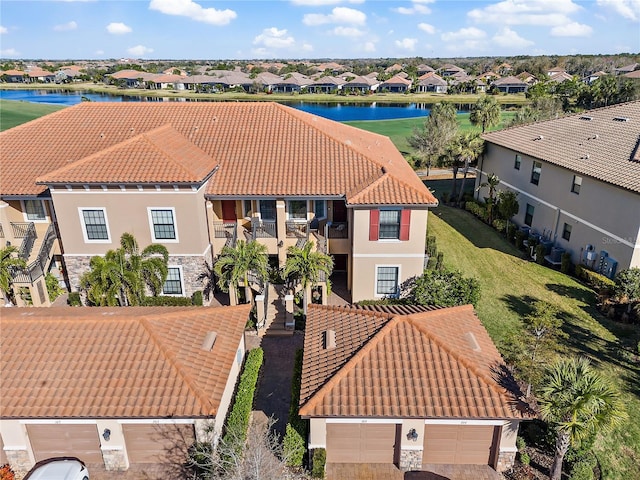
(59, 469)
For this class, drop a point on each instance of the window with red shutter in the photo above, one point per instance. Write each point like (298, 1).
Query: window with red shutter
(405, 222)
(374, 224)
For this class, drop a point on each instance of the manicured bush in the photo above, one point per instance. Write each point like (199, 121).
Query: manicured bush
(431, 247)
(500, 225)
(511, 232)
(238, 420)
(477, 209)
(196, 298)
(565, 263)
(294, 447)
(521, 444)
(519, 239)
(595, 280)
(524, 458)
(540, 251)
(74, 299)
(582, 466)
(439, 260)
(166, 301)
(53, 287)
(318, 462)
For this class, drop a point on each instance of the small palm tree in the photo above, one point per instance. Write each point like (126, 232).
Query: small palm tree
(486, 112)
(306, 266)
(208, 279)
(146, 268)
(103, 283)
(9, 263)
(234, 264)
(492, 182)
(578, 401)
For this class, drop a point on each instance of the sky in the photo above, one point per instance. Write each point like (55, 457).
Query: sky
(314, 29)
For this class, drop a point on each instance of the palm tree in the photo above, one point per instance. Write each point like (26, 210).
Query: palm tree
(234, 264)
(9, 263)
(486, 112)
(208, 278)
(461, 152)
(492, 182)
(103, 283)
(306, 266)
(578, 401)
(147, 268)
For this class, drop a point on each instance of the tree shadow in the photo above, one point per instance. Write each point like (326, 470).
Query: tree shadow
(522, 305)
(580, 293)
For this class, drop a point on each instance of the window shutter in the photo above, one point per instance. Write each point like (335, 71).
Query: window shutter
(374, 224)
(405, 221)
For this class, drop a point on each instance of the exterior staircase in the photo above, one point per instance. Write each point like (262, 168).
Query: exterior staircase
(276, 314)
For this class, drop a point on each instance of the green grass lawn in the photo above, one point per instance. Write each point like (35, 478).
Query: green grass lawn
(510, 284)
(14, 113)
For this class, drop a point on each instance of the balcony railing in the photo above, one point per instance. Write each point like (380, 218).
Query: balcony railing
(338, 230)
(263, 228)
(297, 229)
(38, 267)
(226, 230)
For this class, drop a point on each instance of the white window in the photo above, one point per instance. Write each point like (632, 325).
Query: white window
(297, 209)
(34, 210)
(95, 225)
(173, 284)
(163, 225)
(320, 209)
(389, 224)
(387, 280)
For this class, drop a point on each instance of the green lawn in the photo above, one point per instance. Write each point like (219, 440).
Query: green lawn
(14, 113)
(509, 286)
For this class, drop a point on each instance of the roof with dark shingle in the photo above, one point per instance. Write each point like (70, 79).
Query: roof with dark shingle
(91, 362)
(600, 143)
(261, 148)
(412, 362)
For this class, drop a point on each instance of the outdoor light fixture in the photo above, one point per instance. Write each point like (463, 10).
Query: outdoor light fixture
(106, 434)
(280, 244)
(412, 435)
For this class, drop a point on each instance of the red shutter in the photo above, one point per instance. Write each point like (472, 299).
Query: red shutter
(405, 221)
(374, 224)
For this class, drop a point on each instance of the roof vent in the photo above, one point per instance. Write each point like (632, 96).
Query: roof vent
(473, 343)
(585, 157)
(595, 137)
(539, 137)
(620, 119)
(329, 339)
(585, 117)
(209, 341)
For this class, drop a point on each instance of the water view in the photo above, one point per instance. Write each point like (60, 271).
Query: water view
(334, 111)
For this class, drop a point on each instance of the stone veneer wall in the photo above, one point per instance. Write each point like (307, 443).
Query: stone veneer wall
(410, 460)
(20, 462)
(505, 461)
(75, 267)
(115, 460)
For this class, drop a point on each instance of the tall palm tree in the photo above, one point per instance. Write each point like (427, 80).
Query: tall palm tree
(492, 182)
(9, 263)
(234, 264)
(143, 268)
(579, 402)
(485, 112)
(462, 151)
(103, 283)
(306, 266)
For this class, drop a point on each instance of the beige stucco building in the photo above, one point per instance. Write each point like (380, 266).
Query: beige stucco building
(578, 183)
(198, 176)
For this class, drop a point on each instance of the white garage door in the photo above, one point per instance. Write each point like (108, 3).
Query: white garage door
(458, 444)
(81, 441)
(360, 443)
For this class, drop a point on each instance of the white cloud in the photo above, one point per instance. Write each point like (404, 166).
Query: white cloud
(338, 15)
(369, 47)
(3, 30)
(99, 52)
(307, 47)
(406, 43)
(274, 38)
(510, 39)
(573, 29)
(347, 32)
(139, 51)
(471, 33)
(9, 52)
(417, 7)
(626, 8)
(118, 28)
(65, 27)
(319, 3)
(194, 11)
(425, 27)
(526, 12)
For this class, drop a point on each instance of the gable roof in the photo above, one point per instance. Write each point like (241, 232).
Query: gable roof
(510, 80)
(90, 362)
(598, 143)
(437, 363)
(257, 146)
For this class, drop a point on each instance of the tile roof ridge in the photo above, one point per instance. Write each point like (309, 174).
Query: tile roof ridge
(342, 372)
(384, 177)
(415, 321)
(366, 185)
(170, 356)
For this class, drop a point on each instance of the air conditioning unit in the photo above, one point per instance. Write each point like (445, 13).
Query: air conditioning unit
(609, 266)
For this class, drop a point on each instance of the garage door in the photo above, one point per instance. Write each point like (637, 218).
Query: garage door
(79, 441)
(458, 444)
(157, 443)
(360, 443)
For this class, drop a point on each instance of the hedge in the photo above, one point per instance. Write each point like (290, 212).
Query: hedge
(595, 280)
(74, 299)
(166, 301)
(296, 432)
(319, 461)
(238, 421)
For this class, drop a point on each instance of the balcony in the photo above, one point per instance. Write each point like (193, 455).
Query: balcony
(37, 268)
(337, 230)
(263, 228)
(27, 232)
(226, 230)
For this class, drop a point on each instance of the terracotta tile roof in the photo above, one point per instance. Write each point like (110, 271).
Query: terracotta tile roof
(116, 362)
(263, 149)
(598, 143)
(423, 364)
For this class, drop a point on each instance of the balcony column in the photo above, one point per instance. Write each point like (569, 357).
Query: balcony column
(281, 230)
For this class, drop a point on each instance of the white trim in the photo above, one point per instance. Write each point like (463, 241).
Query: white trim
(153, 232)
(570, 215)
(109, 448)
(157, 421)
(363, 420)
(84, 226)
(388, 255)
(464, 422)
(317, 445)
(98, 189)
(306, 210)
(375, 280)
(14, 447)
(412, 448)
(508, 449)
(23, 206)
(181, 294)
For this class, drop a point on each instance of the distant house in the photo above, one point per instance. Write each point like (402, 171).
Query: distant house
(634, 75)
(627, 69)
(171, 81)
(396, 67)
(578, 183)
(422, 69)
(409, 386)
(510, 84)
(594, 76)
(560, 77)
(450, 70)
(527, 78)
(396, 84)
(431, 82)
(555, 71)
(293, 82)
(13, 76)
(41, 76)
(115, 387)
(361, 85)
(327, 84)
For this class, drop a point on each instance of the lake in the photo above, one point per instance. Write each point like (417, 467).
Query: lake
(334, 111)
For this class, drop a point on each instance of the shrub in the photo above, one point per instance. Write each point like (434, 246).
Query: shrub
(238, 420)
(431, 248)
(565, 263)
(582, 465)
(445, 197)
(540, 251)
(525, 459)
(595, 280)
(477, 209)
(511, 232)
(53, 287)
(166, 301)
(294, 447)
(196, 298)
(500, 225)
(519, 239)
(520, 444)
(74, 299)
(319, 460)
(439, 260)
